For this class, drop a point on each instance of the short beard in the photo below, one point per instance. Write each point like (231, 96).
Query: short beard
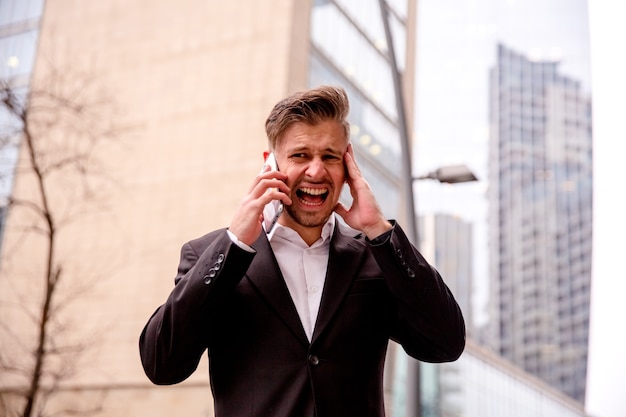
(307, 220)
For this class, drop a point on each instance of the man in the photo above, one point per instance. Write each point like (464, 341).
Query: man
(297, 321)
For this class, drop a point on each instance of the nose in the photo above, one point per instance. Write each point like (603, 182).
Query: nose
(316, 169)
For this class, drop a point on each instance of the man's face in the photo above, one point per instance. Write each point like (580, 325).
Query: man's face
(312, 158)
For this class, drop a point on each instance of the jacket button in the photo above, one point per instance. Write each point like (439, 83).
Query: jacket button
(207, 279)
(314, 360)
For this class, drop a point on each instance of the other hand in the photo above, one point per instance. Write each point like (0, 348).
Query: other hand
(365, 213)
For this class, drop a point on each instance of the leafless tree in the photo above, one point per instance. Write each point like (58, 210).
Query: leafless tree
(55, 130)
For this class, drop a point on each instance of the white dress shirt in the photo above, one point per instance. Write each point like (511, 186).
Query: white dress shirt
(303, 268)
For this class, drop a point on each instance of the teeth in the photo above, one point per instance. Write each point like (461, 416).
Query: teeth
(314, 191)
(308, 203)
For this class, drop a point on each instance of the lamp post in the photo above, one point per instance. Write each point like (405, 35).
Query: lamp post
(443, 175)
(451, 174)
(427, 404)
(403, 129)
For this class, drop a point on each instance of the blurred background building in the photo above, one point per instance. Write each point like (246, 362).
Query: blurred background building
(447, 242)
(188, 85)
(540, 220)
(483, 384)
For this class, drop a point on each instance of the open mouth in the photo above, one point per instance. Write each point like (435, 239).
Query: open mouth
(312, 196)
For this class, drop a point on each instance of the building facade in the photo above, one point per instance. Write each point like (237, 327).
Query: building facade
(186, 86)
(482, 384)
(540, 220)
(447, 241)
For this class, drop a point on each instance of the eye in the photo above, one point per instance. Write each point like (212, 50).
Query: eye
(332, 158)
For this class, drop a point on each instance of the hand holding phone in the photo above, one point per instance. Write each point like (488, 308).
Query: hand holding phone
(275, 208)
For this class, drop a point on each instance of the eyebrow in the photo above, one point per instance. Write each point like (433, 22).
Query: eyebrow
(308, 148)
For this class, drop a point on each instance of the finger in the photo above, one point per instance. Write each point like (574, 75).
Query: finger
(274, 183)
(263, 185)
(341, 210)
(352, 175)
(266, 168)
(353, 168)
(277, 175)
(275, 194)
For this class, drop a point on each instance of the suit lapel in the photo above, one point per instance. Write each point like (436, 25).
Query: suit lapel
(265, 275)
(343, 261)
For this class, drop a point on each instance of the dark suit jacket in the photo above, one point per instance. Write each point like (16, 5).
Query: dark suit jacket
(237, 305)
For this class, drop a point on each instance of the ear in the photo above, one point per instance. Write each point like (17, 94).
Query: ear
(265, 155)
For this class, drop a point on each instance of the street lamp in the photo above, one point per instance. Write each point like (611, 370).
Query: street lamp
(451, 174)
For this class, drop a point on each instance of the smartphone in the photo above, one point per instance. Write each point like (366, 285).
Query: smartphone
(275, 208)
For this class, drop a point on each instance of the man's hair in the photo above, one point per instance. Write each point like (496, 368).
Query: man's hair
(310, 107)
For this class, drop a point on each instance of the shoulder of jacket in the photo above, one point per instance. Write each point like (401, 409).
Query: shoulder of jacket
(205, 240)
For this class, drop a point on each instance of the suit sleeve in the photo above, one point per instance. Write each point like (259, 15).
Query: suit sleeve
(428, 321)
(175, 337)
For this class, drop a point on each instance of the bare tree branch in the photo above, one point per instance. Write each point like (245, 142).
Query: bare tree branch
(58, 130)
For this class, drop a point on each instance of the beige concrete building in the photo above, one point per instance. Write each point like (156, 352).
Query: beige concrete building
(184, 88)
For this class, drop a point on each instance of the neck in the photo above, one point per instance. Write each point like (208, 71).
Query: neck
(310, 234)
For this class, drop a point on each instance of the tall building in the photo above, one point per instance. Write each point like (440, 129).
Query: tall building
(187, 86)
(446, 241)
(540, 220)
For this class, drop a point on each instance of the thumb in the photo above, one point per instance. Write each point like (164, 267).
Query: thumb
(341, 210)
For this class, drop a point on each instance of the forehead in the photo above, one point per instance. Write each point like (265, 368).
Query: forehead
(328, 134)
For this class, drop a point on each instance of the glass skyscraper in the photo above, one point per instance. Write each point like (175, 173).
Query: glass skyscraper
(540, 220)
